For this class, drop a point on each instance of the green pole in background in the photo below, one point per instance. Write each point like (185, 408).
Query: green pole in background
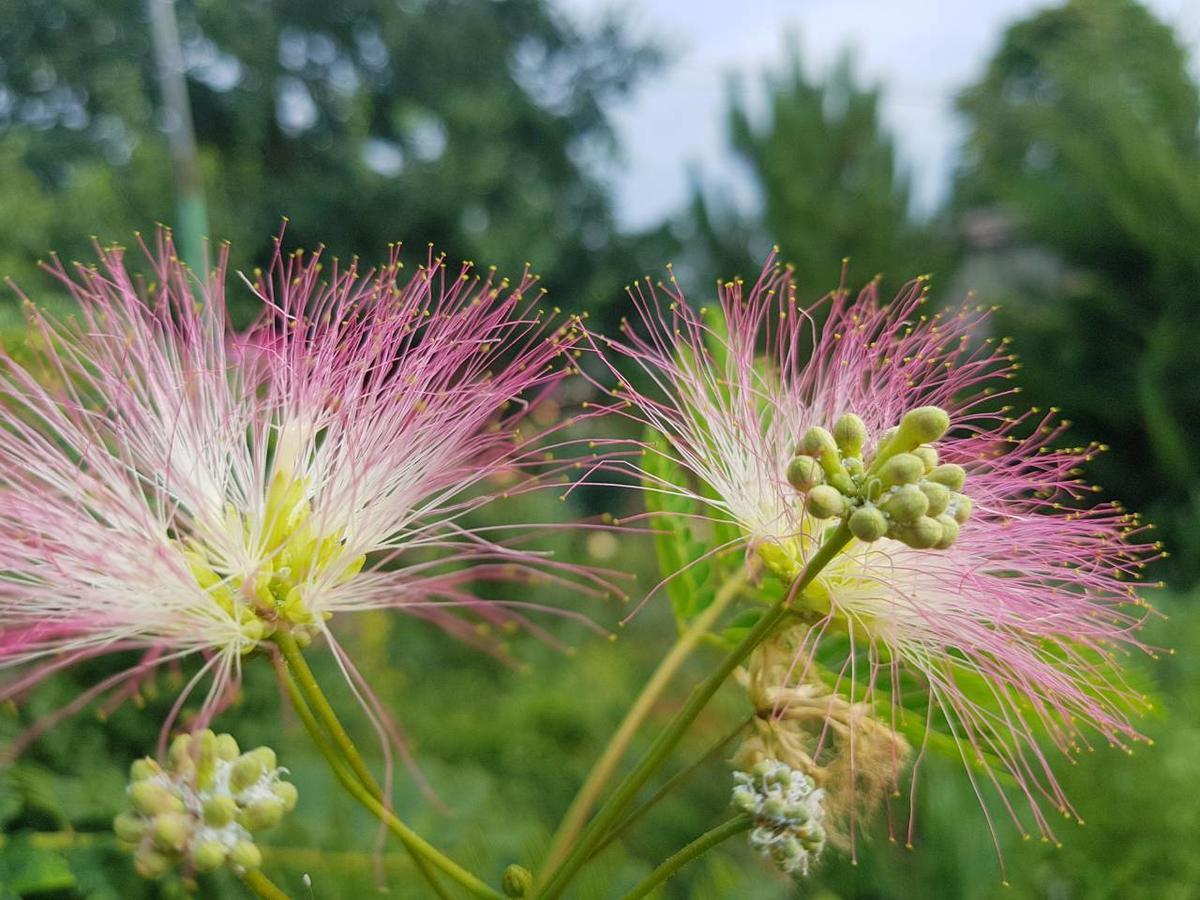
(191, 225)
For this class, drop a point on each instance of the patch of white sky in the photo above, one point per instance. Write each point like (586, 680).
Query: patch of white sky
(922, 53)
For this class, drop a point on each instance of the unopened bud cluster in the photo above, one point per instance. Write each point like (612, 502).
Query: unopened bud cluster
(203, 807)
(900, 491)
(787, 810)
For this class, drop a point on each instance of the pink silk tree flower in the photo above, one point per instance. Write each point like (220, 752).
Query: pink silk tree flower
(170, 484)
(971, 567)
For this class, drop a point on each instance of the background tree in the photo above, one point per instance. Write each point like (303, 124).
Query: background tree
(1083, 131)
(829, 184)
(476, 126)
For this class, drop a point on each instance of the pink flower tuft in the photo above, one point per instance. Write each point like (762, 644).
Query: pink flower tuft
(173, 485)
(1016, 631)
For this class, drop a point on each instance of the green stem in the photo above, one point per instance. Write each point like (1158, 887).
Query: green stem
(625, 793)
(585, 800)
(669, 785)
(333, 726)
(298, 665)
(698, 847)
(417, 846)
(262, 886)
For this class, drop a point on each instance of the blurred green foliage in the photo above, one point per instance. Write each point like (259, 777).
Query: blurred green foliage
(830, 187)
(1084, 133)
(478, 126)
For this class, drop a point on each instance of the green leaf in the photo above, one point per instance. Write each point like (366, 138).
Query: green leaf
(30, 870)
(742, 624)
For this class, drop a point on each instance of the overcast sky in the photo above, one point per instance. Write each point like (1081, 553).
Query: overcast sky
(921, 51)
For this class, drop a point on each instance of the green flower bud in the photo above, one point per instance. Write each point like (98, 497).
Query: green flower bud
(804, 472)
(797, 813)
(928, 456)
(923, 534)
(170, 831)
(207, 856)
(825, 502)
(949, 532)
(245, 855)
(266, 756)
(294, 609)
(854, 465)
(220, 810)
(287, 794)
(817, 442)
(745, 799)
(150, 863)
(938, 496)
(903, 468)
(778, 560)
(787, 850)
(143, 769)
(227, 748)
(129, 827)
(923, 425)
(208, 745)
(253, 630)
(150, 798)
(246, 771)
(850, 434)
(868, 523)
(773, 808)
(262, 814)
(962, 508)
(906, 504)
(207, 759)
(516, 881)
(179, 758)
(763, 768)
(949, 474)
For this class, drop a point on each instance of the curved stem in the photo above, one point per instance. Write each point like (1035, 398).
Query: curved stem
(585, 800)
(298, 665)
(262, 886)
(669, 785)
(625, 793)
(333, 726)
(417, 846)
(698, 847)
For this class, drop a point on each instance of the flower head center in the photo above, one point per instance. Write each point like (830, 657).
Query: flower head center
(294, 558)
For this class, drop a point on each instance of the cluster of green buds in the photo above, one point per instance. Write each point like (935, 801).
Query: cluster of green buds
(899, 491)
(787, 810)
(202, 808)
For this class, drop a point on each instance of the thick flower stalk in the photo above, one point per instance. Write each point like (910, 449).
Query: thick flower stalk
(170, 483)
(973, 567)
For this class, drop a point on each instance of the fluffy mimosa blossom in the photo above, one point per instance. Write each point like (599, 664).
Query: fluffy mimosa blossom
(169, 483)
(1014, 615)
